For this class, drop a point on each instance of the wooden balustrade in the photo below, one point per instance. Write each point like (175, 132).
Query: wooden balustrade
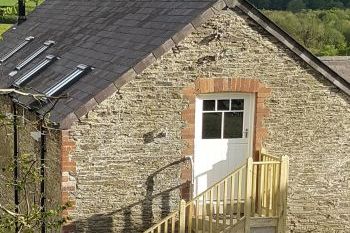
(220, 206)
(266, 177)
(170, 224)
(256, 189)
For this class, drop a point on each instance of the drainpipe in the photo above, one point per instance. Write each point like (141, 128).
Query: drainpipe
(15, 161)
(21, 11)
(42, 173)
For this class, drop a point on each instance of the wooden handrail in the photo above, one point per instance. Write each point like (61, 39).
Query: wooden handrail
(220, 182)
(168, 224)
(255, 189)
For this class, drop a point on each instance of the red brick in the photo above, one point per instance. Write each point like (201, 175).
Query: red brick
(201, 85)
(261, 131)
(245, 83)
(211, 85)
(189, 117)
(218, 85)
(68, 143)
(258, 123)
(263, 95)
(234, 85)
(260, 100)
(65, 133)
(64, 197)
(225, 85)
(69, 163)
(263, 111)
(189, 142)
(238, 85)
(187, 133)
(188, 151)
(188, 92)
(260, 106)
(69, 189)
(254, 86)
(264, 90)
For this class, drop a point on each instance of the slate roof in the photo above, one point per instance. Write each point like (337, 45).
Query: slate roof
(340, 64)
(119, 38)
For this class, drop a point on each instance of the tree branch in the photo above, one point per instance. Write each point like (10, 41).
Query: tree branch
(9, 212)
(36, 96)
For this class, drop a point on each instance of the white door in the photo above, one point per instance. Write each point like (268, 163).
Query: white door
(223, 136)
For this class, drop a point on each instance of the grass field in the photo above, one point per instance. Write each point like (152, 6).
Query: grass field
(7, 20)
(4, 28)
(10, 18)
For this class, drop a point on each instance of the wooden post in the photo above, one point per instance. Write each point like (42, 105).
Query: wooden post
(248, 195)
(283, 190)
(182, 217)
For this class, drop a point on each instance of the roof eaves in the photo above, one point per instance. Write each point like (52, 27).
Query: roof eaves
(68, 121)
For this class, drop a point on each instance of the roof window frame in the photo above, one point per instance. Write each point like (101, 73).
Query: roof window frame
(35, 54)
(68, 80)
(27, 77)
(8, 55)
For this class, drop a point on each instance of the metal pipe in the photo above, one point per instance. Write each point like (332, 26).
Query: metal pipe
(15, 162)
(21, 11)
(42, 174)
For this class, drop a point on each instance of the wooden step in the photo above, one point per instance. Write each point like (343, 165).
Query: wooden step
(217, 226)
(258, 225)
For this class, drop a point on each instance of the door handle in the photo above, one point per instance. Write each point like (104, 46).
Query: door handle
(245, 133)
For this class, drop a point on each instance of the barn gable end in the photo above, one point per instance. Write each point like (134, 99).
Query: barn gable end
(130, 150)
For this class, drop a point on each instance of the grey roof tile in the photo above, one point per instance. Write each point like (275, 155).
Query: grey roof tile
(142, 65)
(163, 48)
(340, 64)
(105, 93)
(85, 108)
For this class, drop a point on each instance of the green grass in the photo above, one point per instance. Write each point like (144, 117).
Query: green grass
(4, 28)
(12, 18)
(30, 5)
(8, 3)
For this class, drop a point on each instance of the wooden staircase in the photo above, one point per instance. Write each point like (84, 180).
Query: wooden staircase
(252, 198)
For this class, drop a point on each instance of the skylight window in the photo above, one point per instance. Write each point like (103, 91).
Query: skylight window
(26, 61)
(36, 70)
(15, 50)
(68, 80)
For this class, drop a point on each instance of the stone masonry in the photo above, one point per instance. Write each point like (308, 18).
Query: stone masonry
(129, 151)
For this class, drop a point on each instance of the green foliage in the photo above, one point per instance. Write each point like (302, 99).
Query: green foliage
(30, 215)
(4, 28)
(8, 9)
(296, 5)
(323, 32)
(292, 5)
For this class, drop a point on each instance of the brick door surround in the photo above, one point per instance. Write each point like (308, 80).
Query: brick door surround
(221, 85)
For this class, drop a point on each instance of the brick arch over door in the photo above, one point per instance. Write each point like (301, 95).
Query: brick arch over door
(221, 85)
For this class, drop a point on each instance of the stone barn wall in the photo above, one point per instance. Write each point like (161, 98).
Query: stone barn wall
(128, 151)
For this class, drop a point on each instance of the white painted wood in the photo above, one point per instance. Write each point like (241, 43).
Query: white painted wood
(216, 158)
